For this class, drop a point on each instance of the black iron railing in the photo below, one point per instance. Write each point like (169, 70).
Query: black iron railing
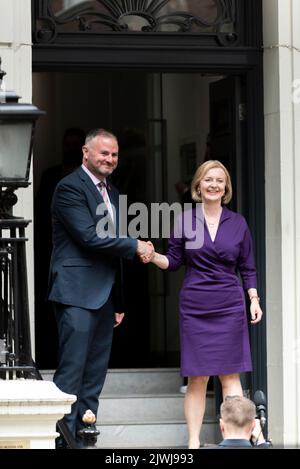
(15, 345)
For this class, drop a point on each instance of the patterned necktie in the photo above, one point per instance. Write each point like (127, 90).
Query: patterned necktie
(103, 191)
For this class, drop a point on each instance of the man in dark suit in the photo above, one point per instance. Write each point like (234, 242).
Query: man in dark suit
(239, 427)
(83, 267)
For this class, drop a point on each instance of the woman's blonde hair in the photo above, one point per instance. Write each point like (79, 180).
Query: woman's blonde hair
(200, 174)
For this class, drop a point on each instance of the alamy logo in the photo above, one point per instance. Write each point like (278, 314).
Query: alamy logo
(153, 222)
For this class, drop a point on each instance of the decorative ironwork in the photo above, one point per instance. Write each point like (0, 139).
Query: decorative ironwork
(142, 16)
(15, 348)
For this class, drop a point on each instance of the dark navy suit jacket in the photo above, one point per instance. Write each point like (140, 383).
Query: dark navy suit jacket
(235, 443)
(241, 443)
(83, 265)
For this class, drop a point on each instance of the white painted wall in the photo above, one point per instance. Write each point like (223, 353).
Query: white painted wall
(282, 145)
(15, 51)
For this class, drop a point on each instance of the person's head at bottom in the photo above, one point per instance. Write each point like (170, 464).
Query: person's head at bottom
(237, 417)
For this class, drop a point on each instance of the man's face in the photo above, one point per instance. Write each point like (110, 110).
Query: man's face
(100, 156)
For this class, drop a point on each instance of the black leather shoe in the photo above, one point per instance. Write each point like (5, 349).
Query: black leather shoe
(88, 435)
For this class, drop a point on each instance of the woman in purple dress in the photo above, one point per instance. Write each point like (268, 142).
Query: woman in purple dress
(213, 320)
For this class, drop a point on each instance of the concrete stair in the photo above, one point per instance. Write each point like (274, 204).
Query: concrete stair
(143, 408)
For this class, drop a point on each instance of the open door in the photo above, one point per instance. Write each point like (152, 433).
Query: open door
(226, 143)
(227, 132)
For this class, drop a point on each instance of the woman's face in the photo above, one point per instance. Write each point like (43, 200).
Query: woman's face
(212, 186)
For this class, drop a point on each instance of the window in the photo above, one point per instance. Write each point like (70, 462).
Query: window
(143, 15)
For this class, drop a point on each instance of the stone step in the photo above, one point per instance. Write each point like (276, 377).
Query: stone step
(142, 408)
(161, 434)
(137, 381)
(146, 407)
(142, 381)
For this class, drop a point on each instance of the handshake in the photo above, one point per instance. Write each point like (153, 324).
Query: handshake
(145, 251)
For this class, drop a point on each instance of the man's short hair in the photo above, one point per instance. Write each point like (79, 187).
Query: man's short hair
(237, 411)
(99, 133)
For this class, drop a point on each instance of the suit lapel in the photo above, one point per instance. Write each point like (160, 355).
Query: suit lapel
(112, 193)
(90, 185)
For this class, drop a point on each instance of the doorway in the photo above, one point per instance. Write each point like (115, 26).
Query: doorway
(167, 125)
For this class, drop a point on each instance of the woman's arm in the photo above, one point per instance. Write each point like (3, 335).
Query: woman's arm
(175, 256)
(247, 270)
(157, 259)
(160, 260)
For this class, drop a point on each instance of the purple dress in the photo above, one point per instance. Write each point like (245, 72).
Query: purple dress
(213, 321)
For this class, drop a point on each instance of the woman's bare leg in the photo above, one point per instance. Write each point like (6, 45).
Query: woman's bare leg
(194, 407)
(231, 385)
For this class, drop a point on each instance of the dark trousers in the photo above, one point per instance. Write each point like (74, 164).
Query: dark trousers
(85, 338)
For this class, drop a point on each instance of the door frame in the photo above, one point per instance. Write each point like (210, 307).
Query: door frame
(167, 54)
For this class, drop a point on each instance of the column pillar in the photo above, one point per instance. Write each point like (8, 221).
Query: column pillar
(29, 410)
(282, 145)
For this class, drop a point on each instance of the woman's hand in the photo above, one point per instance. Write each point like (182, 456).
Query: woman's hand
(255, 310)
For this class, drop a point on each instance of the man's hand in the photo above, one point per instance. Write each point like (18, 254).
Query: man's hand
(146, 258)
(118, 318)
(145, 251)
(257, 436)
